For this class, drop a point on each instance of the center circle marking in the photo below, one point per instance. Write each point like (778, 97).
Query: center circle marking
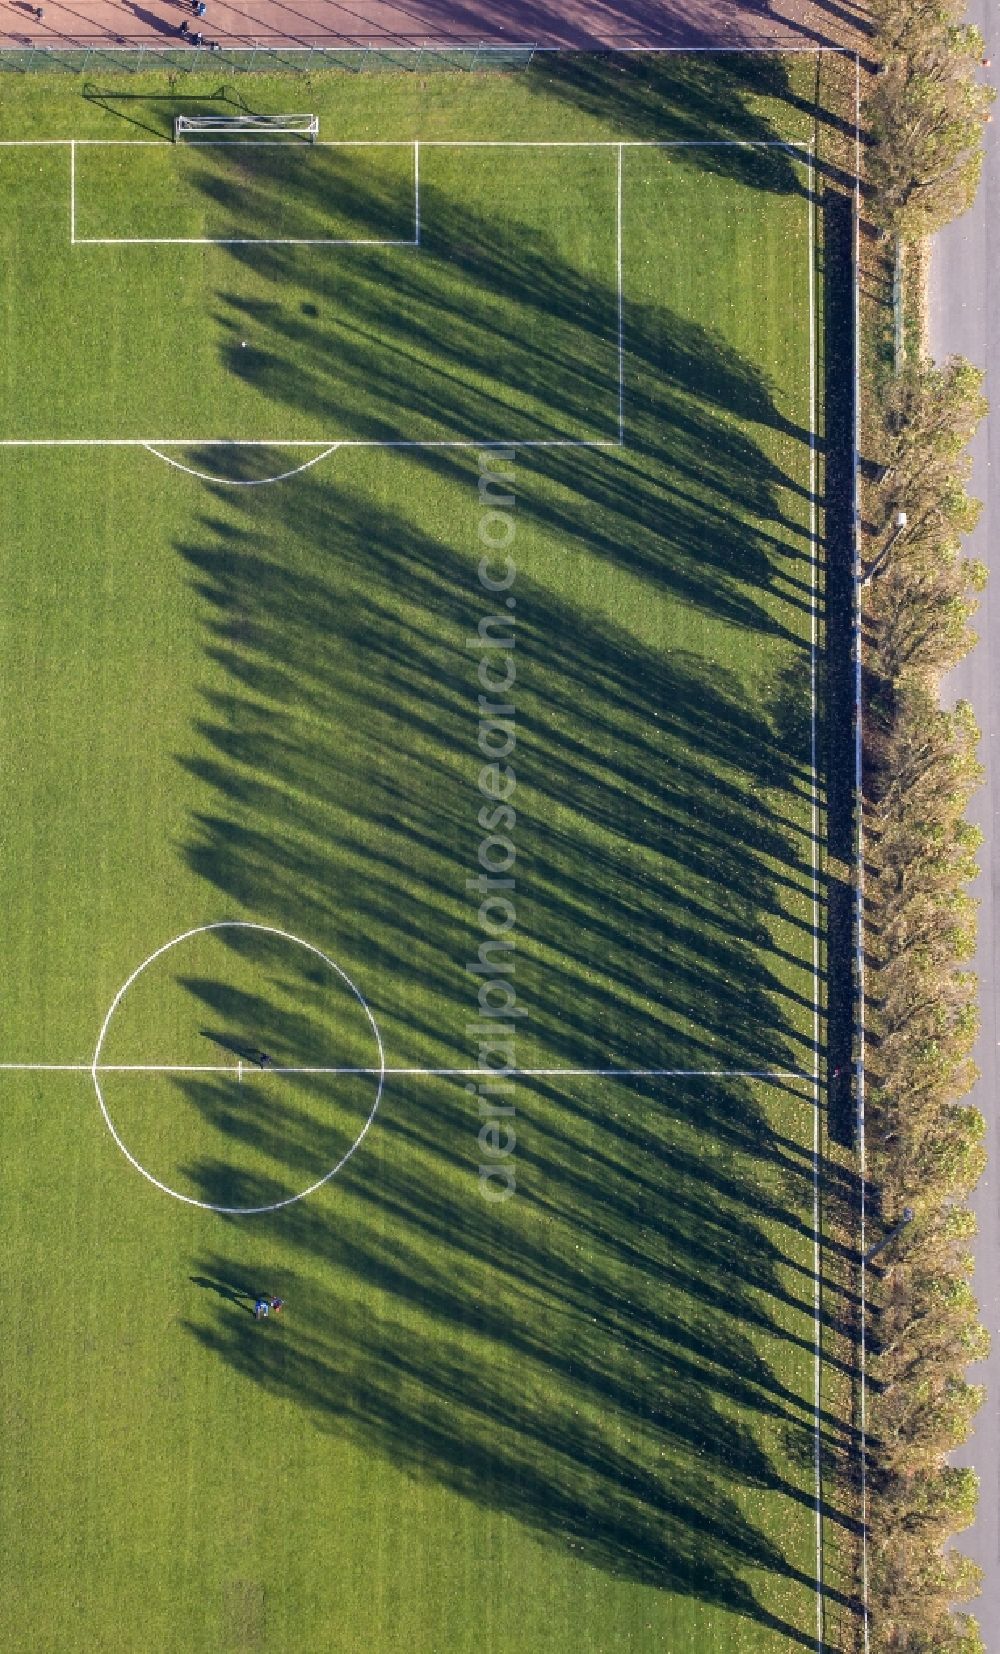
(286, 936)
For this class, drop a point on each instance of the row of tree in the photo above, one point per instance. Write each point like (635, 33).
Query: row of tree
(925, 115)
(925, 118)
(925, 1143)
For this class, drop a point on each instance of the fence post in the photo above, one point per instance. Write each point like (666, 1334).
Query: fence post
(138, 61)
(475, 57)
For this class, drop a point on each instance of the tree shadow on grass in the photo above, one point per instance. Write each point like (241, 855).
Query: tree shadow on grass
(493, 332)
(609, 1355)
(640, 874)
(586, 1363)
(339, 760)
(707, 100)
(715, 101)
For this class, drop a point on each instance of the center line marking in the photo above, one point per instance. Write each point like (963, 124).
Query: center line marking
(416, 1073)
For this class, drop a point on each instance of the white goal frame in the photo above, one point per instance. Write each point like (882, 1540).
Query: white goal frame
(234, 126)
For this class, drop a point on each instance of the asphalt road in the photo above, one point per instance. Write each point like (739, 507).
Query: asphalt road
(965, 320)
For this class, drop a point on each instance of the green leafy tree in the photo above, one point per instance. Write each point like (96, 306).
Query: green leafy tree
(926, 115)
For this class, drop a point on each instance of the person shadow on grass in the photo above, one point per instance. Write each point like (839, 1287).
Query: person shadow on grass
(242, 1297)
(239, 1048)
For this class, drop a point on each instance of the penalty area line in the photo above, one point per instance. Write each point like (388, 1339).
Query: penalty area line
(231, 241)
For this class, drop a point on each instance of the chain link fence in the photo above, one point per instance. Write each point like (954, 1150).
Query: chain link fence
(301, 60)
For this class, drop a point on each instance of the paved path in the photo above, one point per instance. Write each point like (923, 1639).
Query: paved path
(410, 22)
(965, 319)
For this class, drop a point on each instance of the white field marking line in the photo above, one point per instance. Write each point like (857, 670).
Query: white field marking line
(244, 482)
(329, 442)
(859, 908)
(621, 310)
(229, 241)
(72, 194)
(250, 143)
(612, 143)
(814, 828)
(431, 143)
(413, 1073)
(416, 193)
(217, 143)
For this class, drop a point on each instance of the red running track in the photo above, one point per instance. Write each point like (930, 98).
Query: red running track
(573, 23)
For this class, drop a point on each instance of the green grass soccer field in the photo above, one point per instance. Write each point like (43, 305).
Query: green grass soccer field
(413, 865)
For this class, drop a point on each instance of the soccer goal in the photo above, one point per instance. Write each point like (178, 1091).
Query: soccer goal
(242, 126)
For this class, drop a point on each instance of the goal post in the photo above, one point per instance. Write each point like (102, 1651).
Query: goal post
(245, 126)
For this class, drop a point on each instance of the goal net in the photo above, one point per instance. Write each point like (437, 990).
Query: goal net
(244, 126)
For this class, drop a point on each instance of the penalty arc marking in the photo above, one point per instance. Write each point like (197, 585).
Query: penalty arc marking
(242, 482)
